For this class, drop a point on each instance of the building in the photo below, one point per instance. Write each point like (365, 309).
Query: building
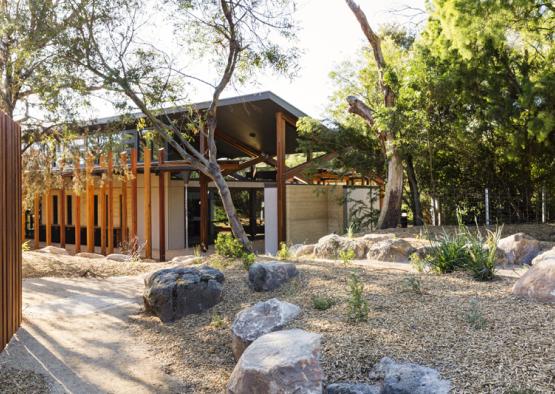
(168, 206)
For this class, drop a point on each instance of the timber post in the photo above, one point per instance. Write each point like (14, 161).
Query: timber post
(102, 210)
(110, 173)
(162, 205)
(90, 203)
(133, 236)
(123, 224)
(280, 177)
(147, 202)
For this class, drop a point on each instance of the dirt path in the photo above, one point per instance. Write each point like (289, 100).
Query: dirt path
(75, 333)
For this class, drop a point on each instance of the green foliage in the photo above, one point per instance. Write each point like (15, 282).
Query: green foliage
(358, 306)
(218, 321)
(448, 253)
(283, 252)
(322, 303)
(248, 260)
(346, 256)
(474, 316)
(412, 284)
(418, 263)
(481, 261)
(26, 246)
(197, 251)
(228, 246)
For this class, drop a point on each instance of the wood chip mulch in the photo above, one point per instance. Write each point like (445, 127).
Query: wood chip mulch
(16, 381)
(512, 352)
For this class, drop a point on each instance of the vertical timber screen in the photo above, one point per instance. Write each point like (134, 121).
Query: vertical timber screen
(10, 229)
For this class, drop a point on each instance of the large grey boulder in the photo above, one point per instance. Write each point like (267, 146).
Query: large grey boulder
(261, 318)
(408, 378)
(519, 248)
(538, 283)
(278, 363)
(329, 246)
(353, 388)
(53, 250)
(395, 250)
(172, 293)
(271, 275)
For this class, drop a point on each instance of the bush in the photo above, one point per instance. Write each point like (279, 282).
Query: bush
(474, 316)
(481, 257)
(248, 260)
(412, 284)
(347, 256)
(283, 252)
(358, 306)
(26, 246)
(229, 246)
(322, 303)
(448, 253)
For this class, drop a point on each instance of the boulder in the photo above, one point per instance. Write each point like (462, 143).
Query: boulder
(408, 378)
(329, 246)
(373, 238)
(394, 250)
(271, 275)
(187, 260)
(53, 250)
(538, 283)
(87, 255)
(304, 250)
(262, 318)
(122, 258)
(520, 248)
(278, 363)
(172, 293)
(353, 388)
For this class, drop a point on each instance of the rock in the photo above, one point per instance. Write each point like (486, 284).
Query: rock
(373, 238)
(87, 255)
(53, 250)
(395, 250)
(353, 388)
(538, 283)
(408, 378)
(260, 319)
(279, 362)
(122, 258)
(271, 275)
(520, 248)
(328, 247)
(187, 260)
(172, 293)
(304, 250)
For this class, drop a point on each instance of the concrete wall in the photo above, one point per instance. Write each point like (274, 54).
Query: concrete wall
(312, 212)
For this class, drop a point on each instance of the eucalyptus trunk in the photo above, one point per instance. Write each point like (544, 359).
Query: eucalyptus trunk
(416, 206)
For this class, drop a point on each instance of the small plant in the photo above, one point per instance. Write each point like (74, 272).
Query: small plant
(358, 306)
(418, 263)
(448, 253)
(248, 260)
(197, 251)
(283, 252)
(474, 316)
(133, 249)
(482, 258)
(351, 231)
(26, 246)
(228, 246)
(218, 321)
(412, 284)
(346, 256)
(322, 303)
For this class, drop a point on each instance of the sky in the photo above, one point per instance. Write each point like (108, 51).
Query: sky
(330, 34)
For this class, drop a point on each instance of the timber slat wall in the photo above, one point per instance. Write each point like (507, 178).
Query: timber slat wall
(10, 229)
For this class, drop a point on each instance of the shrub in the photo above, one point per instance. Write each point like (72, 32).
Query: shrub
(448, 253)
(418, 263)
(474, 316)
(218, 321)
(26, 246)
(358, 306)
(197, 251)
(248, 260)
(322, 303)
(347, 256)
(229, 246)
(481, 257)
(412, 284)
(133, 249)
(283, 252)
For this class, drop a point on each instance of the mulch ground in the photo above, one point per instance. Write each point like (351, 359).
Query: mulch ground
(15, 381)
(476, 334)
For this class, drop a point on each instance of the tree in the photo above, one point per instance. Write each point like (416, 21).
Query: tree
(239, 36)
(391, 209)
(35, 89)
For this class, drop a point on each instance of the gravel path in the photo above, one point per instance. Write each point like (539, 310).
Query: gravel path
(75, 335)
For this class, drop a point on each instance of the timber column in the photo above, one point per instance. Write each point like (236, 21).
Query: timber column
(203, 183)
(280, 176)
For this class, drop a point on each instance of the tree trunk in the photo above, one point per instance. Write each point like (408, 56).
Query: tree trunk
(416, 206)
(229, 208)
(391, 209)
